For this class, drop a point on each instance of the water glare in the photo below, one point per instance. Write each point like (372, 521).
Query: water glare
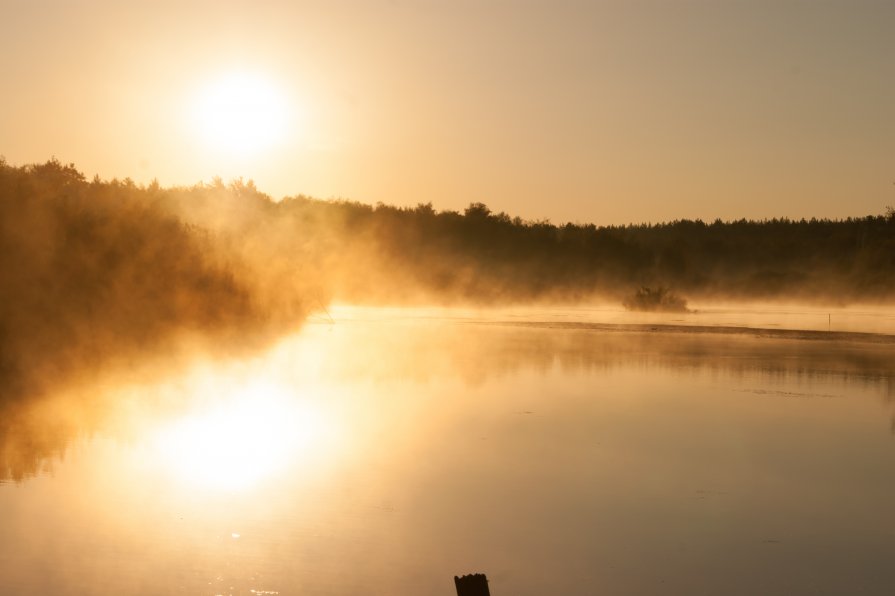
(249, 433)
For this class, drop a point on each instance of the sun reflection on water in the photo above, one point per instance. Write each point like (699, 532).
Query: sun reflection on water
(248, 433)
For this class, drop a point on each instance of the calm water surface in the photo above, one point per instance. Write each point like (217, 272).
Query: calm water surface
(385, 453)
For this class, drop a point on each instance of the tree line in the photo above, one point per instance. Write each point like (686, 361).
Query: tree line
(481, 256)
(92, 268)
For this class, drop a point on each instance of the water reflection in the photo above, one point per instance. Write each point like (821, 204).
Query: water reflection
(386, 456)
(249, 433)
(229, 423)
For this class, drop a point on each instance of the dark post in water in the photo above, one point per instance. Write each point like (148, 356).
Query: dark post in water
(475, 584)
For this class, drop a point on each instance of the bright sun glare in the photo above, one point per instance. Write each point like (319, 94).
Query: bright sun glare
(252, 432)
(241, 114)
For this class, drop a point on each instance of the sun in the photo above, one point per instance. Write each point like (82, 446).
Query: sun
(241, 114)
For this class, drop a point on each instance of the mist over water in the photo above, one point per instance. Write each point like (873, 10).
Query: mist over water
(101, 275)
(196, 396)
(104, 274)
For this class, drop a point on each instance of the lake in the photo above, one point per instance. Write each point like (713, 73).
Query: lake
(559, 451)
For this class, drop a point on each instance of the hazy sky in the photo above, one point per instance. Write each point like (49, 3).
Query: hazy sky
(611, 112)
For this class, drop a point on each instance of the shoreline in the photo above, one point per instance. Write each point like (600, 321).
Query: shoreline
(757, 332)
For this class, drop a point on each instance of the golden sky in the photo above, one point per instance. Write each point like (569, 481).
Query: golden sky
(603, 111)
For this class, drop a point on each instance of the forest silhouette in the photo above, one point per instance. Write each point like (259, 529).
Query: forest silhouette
(94, 271)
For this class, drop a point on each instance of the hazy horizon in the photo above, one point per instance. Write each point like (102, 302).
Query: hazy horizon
(602, 112)
(215, 180)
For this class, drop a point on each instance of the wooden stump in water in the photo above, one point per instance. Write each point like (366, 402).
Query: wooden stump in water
(475, 584)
